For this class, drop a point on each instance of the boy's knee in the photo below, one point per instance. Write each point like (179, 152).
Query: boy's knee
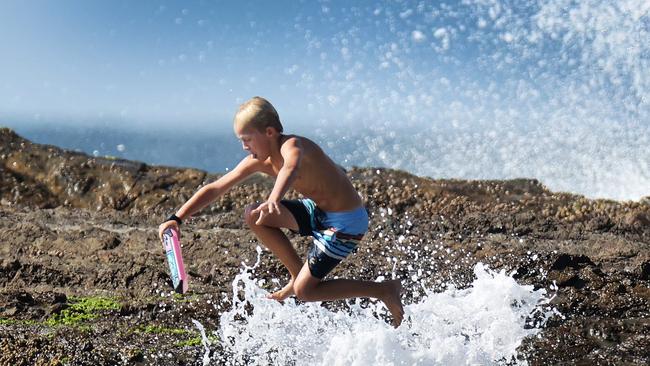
(249, 217)
(302, 292)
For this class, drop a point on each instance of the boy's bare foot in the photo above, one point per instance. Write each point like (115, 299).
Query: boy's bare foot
(284, 293)
(392, 299)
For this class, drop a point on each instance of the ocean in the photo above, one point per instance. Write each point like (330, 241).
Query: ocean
(603, 161)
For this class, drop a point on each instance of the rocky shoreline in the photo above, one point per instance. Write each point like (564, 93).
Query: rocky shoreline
(83, 278)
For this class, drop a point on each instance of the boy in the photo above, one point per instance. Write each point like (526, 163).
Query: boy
(332, 211)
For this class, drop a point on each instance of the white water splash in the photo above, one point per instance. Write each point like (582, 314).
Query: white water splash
(206, 342)
(557, 90)
(483, 324)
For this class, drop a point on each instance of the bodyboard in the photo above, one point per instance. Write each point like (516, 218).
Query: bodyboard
(175, 260)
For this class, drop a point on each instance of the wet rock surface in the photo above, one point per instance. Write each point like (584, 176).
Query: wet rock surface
(83, 278)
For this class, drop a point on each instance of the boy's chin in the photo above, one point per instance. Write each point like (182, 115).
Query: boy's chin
(259, 157)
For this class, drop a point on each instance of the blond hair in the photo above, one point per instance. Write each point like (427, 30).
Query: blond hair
(258, 113)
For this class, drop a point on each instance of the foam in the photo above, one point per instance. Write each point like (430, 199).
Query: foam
(481, 324)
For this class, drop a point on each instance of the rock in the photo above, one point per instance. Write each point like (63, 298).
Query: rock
(11, 311)
(43, 176)
(638, 220)
(56, 308)
(645, 271)
(87, 347)
(76, 226)
(24, 299)
(564, 260)
(135, 355)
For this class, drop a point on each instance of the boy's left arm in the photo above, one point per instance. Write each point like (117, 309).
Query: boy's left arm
(291, 152)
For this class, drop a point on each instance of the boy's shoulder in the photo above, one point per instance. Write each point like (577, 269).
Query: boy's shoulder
(292, 136)
(292, 141)
(297, 140)
(310, 150)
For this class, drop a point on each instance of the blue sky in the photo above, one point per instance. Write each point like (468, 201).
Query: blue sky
(147, 60)
(192, 62)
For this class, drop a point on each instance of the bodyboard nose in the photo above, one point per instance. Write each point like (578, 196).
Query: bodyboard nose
(174, 255)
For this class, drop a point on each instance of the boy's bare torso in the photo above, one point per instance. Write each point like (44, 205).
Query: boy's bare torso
(318, 178)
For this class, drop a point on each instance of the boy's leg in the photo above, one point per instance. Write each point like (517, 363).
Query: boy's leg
(310, 288)
(269, 233)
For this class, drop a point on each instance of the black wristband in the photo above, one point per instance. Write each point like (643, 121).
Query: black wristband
(175, 218)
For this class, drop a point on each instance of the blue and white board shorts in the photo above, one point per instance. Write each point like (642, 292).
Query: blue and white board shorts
(336, 234)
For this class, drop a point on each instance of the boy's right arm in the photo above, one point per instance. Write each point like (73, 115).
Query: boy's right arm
(210, 192)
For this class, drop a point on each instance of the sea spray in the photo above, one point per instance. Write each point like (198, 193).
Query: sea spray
(206, 342)
(482, 324)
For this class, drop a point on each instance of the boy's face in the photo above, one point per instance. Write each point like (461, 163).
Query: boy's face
(254, 141)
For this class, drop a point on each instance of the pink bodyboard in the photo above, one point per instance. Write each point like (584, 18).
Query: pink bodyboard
(175, 260)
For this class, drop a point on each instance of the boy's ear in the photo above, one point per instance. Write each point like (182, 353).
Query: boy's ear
(270, 131)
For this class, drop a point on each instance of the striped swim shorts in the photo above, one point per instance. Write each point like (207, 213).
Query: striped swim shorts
(336, 234)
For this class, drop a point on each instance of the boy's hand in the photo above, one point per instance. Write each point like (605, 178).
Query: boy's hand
(267, 208)
(166, 225)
